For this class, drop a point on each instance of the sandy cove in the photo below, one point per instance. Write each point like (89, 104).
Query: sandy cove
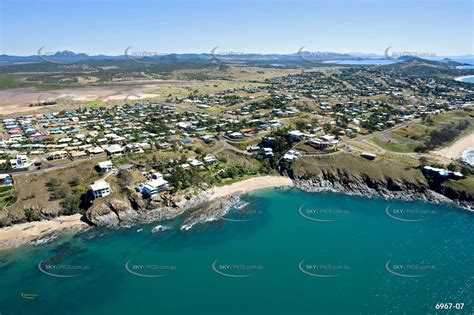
(19, 234)
(455, 150)
(249, 185)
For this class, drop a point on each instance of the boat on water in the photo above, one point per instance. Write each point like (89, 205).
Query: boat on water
(29, 296)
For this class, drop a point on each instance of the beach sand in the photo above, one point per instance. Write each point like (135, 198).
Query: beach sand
(455, 150)
(249, 185)
(16, 235)
(19, 234)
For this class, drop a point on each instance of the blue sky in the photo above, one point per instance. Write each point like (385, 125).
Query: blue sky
(443, 27)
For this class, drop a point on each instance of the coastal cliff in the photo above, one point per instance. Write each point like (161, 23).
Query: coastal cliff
(114, 213)
(361, 184)
(134, 209)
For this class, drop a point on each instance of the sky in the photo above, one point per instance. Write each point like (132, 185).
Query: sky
(441, 27)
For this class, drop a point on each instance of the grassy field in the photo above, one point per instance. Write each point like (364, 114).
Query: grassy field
(466, 184)
(10, 81)
(47, 189)
(7, 196)
(407, 138)
(356, 166)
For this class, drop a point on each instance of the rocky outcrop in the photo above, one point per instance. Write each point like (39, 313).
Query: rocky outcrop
(212, 212)
(363, 185)
(101, 214)
(113, 213)
(123, 210)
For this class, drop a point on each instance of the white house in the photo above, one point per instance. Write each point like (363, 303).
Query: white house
(196, 163)
(154, 186)
(267, 152)
(210, 159)
(105, 166)
(114, 149)
(100, 189)
(20, 161)
(296, 135)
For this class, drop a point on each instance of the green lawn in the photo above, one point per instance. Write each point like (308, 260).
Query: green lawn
(466, 184)
(7, 196)
(10, 81)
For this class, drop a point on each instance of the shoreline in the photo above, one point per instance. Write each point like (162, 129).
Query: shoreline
(461, 79)
(248, 185)
(455, 150)
(22, 233)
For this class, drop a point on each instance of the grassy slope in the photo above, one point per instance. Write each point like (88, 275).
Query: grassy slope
(354, 166)
(402, 140)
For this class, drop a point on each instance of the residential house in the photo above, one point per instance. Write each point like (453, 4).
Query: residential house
(105, 166)
(100, 189)
(154, 186)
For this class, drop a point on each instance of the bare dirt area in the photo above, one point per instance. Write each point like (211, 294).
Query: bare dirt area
(18, 100)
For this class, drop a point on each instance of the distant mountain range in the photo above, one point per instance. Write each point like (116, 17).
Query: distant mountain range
(70, 56)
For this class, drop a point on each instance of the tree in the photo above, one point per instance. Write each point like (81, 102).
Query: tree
(452, 167)
(423, 161)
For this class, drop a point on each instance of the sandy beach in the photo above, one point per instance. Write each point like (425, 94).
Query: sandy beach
(455, 150)
(19, 234)
(249, 185)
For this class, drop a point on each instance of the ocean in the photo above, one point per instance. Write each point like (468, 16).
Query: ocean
(280, 251)
(469, 79)
(468, 155)
(469, 61)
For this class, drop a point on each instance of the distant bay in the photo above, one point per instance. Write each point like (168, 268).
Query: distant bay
(469, 78)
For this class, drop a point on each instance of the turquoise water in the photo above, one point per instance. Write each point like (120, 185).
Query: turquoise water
(469, 79)
(285, 252)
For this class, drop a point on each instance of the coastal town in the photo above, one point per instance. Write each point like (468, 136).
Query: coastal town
(236, 157)
(155, 150)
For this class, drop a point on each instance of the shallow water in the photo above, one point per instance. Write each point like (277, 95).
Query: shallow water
(281, 251)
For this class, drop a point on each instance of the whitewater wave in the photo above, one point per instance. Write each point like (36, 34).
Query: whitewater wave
(468, 156)
(160, 228)
(44, 240)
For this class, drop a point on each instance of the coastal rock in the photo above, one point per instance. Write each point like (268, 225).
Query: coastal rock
(113, 213)
(363, 185)
(214, 211)
(49, 213)
(101, 214)
(124, 211)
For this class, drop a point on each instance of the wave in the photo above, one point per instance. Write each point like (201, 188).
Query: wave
(44, 240)
(160, 228)
(468, 156)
